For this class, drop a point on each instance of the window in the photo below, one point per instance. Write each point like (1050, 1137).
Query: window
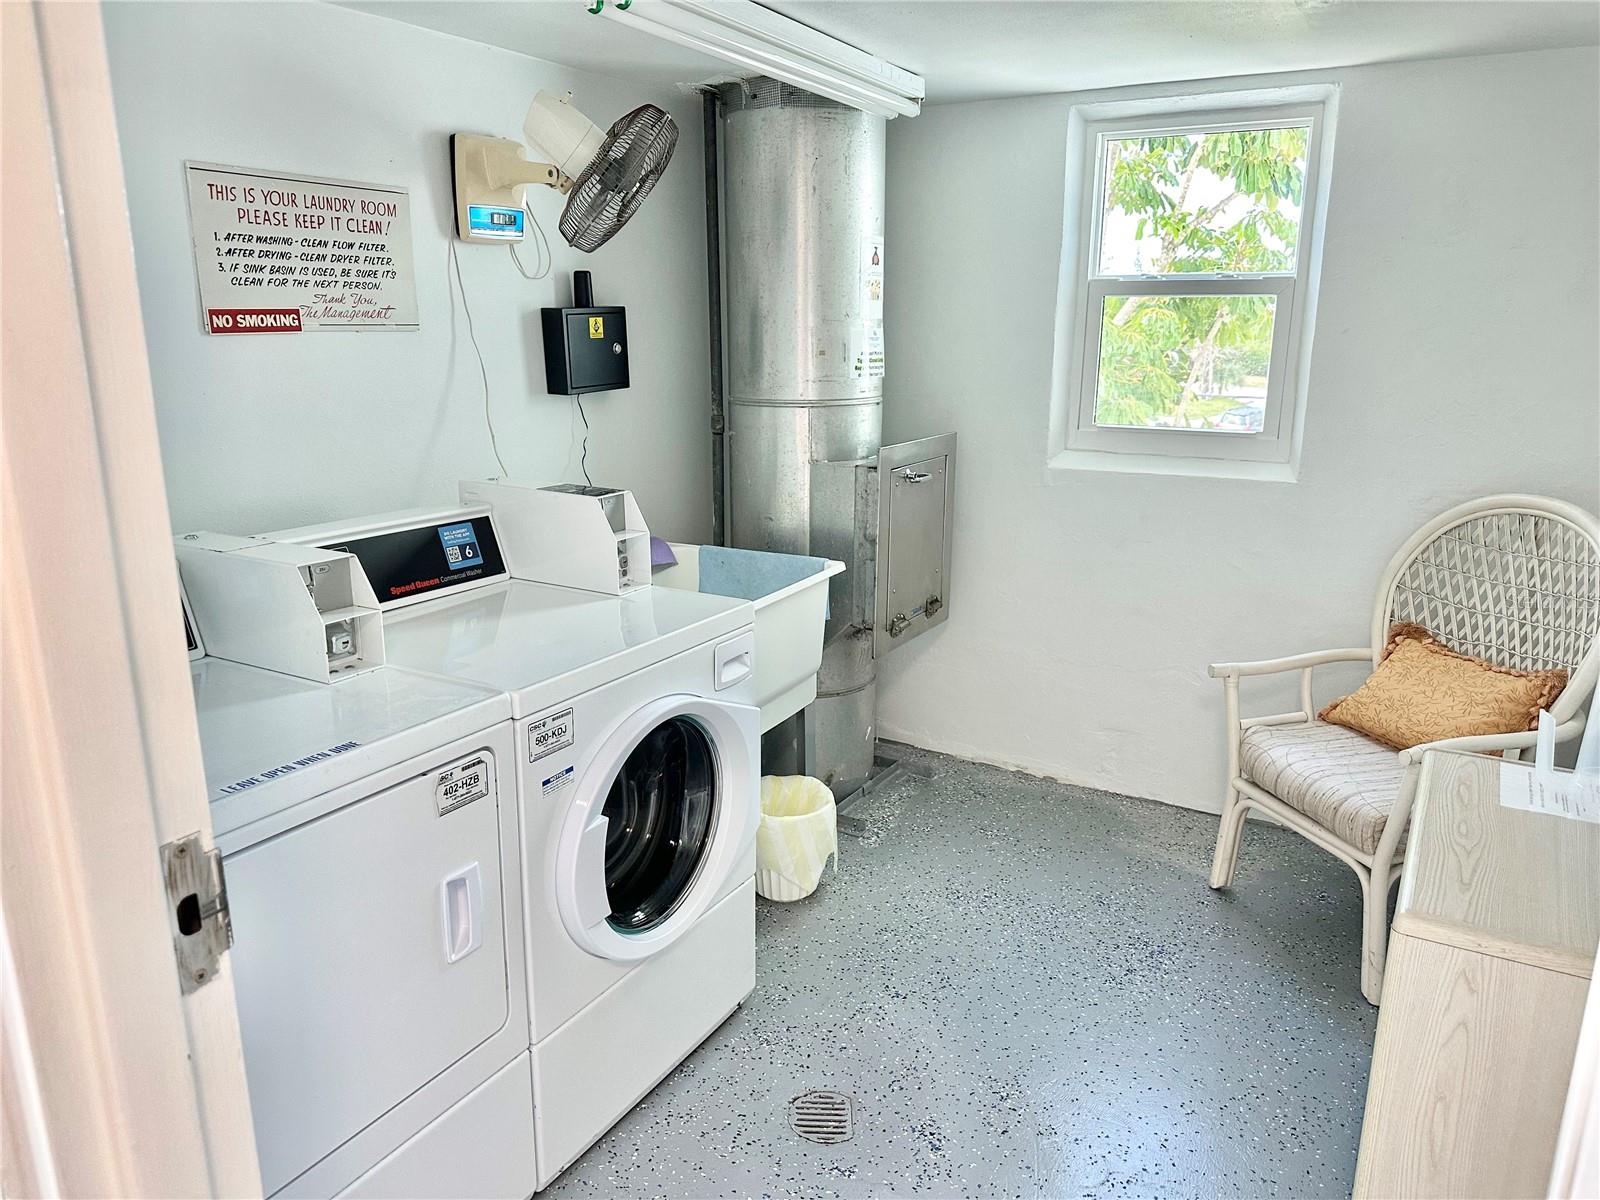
(1189, 272)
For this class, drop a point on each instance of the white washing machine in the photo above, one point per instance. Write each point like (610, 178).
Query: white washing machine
(638, 766)
(372, 860)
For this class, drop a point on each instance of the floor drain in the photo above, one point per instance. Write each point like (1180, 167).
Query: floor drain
(822, 1117)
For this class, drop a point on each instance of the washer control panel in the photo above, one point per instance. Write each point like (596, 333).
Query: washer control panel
(424, 560)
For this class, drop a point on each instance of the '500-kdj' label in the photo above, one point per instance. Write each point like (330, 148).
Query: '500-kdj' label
(549, 734)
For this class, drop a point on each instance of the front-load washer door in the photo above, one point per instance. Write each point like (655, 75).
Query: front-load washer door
(665, 810)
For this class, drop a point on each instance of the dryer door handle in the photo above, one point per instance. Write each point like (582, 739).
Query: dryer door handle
(589, 880)
(462, 896)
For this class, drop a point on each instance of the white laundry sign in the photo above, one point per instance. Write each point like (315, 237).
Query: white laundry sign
(281, 253)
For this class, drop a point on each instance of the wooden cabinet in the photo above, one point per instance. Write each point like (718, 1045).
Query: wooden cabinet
(1489, 964)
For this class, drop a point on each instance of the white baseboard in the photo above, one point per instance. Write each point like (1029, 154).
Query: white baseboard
(1040, 770)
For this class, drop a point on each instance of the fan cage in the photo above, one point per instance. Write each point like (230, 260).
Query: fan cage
(610, 189)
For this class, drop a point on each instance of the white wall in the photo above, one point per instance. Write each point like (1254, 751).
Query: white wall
(265, 431)
(1455, 355)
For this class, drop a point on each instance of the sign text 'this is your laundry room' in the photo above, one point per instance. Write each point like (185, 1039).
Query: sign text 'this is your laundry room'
(279, 253)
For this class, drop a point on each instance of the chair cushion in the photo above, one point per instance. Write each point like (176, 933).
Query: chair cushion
(1424, 691)
(1343, 781)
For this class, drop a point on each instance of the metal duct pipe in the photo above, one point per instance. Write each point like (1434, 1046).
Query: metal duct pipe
(709, 110)
(803, 210)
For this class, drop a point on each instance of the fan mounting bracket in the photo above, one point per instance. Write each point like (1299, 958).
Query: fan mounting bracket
(492, 171)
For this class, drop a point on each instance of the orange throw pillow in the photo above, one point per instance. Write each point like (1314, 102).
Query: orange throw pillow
(1423, 691)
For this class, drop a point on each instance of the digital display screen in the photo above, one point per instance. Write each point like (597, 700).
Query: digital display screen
(490, 221)
(414, 562)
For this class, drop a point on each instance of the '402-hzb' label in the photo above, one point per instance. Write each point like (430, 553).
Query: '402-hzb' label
(461, 784)
(549, 734)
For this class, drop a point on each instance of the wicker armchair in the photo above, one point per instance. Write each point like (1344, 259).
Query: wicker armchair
(1511, 579)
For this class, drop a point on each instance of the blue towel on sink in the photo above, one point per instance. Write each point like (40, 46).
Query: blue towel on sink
(752, 574)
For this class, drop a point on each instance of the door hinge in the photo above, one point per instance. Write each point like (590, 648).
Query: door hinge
(198, 898)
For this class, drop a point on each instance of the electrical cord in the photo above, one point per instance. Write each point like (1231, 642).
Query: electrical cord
(584, 459)
(483, 370)
(545, 255)
(546, 260)
(549, 261)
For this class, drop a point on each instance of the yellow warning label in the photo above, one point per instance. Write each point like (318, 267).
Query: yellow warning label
(597, 327)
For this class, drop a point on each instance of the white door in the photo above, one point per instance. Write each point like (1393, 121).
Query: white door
(116, 1080)
(371, 956)
(664, 811)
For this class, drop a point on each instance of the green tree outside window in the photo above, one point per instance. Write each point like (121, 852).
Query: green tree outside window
(1184, 204)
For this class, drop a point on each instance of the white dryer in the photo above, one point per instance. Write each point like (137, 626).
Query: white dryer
(372, 859)
(638, 764)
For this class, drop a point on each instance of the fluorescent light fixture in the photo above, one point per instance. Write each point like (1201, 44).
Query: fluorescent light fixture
(763, 42)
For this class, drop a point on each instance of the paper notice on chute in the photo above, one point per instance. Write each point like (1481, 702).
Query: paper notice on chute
(282, 253)
(866, 351)
(872, 277)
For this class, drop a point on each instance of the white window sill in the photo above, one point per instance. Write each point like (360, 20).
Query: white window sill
(1067, 463)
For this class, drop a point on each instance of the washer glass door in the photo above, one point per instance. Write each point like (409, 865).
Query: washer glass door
(663, 815)
(660, 814)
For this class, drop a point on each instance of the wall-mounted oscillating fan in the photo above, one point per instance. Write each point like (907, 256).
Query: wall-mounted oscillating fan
(604, 175)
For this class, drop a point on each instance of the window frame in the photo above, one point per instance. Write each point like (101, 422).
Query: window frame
(1076, 441)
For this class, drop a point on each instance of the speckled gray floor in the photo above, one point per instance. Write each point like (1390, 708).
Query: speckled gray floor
(1029, 991)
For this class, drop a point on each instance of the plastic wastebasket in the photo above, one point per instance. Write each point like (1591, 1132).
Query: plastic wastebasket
(798, 834)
